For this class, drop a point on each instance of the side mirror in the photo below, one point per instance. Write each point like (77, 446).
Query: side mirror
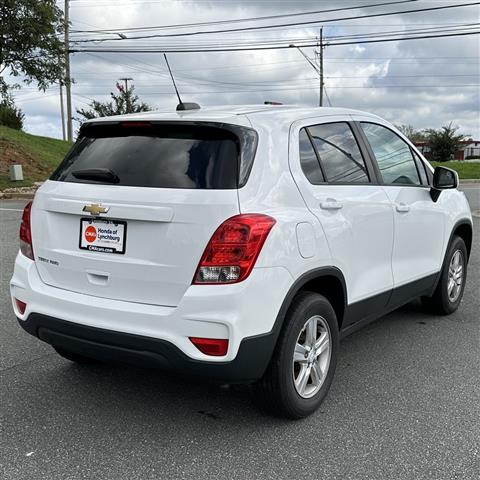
(443, 179)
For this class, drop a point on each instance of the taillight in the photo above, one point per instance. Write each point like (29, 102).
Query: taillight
(233, 249)
(26, 246)
(215, 347)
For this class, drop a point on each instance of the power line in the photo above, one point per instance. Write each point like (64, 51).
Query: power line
(279, 89)
(277, 47)
(240, 20)
(310, 22)
(301, 41)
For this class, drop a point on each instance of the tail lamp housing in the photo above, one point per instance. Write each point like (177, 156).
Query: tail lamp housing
(214, 347)
(26, 245)
(233, 249)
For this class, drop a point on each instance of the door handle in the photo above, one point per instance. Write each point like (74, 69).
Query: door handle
(402, 207)
(331, 204)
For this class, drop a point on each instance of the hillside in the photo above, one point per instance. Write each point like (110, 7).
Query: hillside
(38, 156)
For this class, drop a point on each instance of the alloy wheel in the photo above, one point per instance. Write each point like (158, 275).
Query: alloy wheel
(311, 358)
(455, 276)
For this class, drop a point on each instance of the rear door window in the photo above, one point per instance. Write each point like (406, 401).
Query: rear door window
(309, 160)
(339, 154)
(143, 154)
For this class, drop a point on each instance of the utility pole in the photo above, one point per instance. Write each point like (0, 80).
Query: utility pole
(68, 80)
(320, 68)
(126, 80)
(62, 111)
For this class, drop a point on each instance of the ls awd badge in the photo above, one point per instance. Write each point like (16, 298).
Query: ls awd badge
(95, 209)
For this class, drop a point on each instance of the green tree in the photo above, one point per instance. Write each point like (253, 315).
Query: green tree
(30, 42)
(125, 101)
(411, 133)
(444, 142)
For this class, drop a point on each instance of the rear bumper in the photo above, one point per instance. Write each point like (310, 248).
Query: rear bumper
(244, 313)
(106, 345)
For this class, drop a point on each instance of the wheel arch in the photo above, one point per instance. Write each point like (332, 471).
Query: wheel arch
(464, 230)
(327, 281)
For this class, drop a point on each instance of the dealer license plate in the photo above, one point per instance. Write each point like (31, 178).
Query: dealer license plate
(101, 235)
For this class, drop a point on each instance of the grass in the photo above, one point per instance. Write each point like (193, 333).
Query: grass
(38, 155)
(466, 170)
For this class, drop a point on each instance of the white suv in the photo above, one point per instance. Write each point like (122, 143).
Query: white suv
(239, 243)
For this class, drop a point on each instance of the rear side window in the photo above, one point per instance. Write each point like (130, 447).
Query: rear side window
(161, 155)
(339, 153)
(393, 155)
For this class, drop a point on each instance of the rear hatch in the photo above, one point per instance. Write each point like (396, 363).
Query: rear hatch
(129, 211)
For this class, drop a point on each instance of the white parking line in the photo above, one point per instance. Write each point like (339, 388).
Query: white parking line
(12, 209)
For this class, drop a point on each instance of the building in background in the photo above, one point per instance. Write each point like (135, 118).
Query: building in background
(470, 149)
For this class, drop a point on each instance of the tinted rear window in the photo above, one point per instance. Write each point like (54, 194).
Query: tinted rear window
(162, 156)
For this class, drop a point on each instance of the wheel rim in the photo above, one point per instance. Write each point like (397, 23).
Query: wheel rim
(455, 276)
(311, 358)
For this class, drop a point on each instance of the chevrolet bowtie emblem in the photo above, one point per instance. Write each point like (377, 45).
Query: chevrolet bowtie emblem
(95, 209)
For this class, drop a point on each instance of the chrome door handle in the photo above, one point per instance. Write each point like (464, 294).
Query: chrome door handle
(402, 207)
(331, 204)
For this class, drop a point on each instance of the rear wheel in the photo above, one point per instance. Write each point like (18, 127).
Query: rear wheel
(75, 357)
(449, 291)
(302, 368)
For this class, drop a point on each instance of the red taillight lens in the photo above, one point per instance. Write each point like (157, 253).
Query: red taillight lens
(215, 347)
(21, 306)
(26, 246)
(233, 249)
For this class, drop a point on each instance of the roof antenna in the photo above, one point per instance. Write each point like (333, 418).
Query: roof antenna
(181, 106)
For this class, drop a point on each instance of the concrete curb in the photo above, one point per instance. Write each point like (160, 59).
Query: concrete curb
(16, 196)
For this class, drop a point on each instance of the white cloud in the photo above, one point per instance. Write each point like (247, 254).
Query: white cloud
(416, 82)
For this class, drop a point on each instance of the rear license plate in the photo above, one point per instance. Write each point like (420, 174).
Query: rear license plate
(101, 235)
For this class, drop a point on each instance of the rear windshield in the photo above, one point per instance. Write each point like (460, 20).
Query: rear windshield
(158, 155)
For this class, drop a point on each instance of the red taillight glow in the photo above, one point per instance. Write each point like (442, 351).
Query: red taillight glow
(215, 347)
(21, 306)
(233, 249)
(26, 246)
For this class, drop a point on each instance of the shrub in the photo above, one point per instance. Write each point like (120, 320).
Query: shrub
(11, 116)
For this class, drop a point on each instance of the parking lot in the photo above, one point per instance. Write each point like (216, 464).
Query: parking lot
(405, 404)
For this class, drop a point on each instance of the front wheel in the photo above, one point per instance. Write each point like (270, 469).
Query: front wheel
(449, 291)
(302, 368)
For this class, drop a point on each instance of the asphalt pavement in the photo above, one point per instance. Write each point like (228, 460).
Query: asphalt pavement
(404, 404)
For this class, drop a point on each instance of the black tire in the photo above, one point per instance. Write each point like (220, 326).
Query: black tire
(440, 302)
(276, 391)
(75, 357)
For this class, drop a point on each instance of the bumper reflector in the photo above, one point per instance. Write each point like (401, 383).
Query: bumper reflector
(21, 306)
(215, 347)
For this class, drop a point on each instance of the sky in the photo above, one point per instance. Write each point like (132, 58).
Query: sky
(426, 83)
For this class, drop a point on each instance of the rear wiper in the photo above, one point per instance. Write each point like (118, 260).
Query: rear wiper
(97, 174)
